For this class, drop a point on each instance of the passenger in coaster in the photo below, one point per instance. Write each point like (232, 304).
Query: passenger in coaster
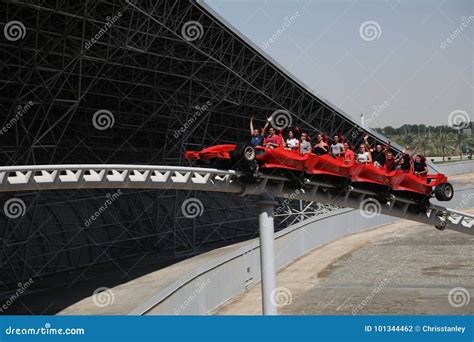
(321, 147)
(273, 140)
(292, 143)
(349, 155)
(419, 166)
(378, 153)
(390, 162)
(305, 145)
(256, 136)
(404, 162)
(337, 148)
(378, 156)
(364, 157)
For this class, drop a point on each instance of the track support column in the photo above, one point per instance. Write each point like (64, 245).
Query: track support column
(267, 253)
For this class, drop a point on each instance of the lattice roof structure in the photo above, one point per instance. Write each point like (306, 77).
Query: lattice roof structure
(115, 82)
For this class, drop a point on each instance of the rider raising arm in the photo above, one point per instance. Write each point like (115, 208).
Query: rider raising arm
(272, 140)
(256, 135)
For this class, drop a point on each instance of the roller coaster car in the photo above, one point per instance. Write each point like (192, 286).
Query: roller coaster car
(249, 159)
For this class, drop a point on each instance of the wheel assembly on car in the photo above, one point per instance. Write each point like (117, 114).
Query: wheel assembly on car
(444, 192)
(249, 153)
(442, 225)
(243, 157)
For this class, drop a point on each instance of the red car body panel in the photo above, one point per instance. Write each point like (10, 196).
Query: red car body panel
(217, 151)
(407, 181)
(281, 158)
(327, 165)
(312, 164)
(369, 173)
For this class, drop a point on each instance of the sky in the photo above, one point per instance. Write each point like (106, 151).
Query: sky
(397, 61)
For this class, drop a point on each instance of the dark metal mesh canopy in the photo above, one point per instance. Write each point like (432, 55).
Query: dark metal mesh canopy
(135, 63)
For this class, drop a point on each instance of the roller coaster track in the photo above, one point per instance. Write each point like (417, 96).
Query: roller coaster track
(96, 176)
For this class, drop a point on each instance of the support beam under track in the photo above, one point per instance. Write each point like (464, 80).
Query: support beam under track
(265, 206)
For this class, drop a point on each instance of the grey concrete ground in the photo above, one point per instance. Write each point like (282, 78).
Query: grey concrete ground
(401, 268)
(462, 181)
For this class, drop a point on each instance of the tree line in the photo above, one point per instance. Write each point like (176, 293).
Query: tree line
(433, 141)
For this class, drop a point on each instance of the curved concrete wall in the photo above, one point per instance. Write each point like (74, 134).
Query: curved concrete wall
(221, 278)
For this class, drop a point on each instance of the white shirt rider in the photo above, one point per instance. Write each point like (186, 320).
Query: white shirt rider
(337, 149)
(363, 157)
(292, 143)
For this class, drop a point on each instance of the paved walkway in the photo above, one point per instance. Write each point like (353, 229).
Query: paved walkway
(401, 268)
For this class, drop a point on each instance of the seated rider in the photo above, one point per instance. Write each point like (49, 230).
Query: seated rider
(419, 166)
(363, 157)
(337, 149)
(404, 162)
(321, 147)
(390, 162)
(273, 140)
(292, 143)
(378, 153)
(349, 155)
(257, 137)
(378, 156)
(305, 145)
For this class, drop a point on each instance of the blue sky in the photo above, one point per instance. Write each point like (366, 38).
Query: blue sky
(408, 66)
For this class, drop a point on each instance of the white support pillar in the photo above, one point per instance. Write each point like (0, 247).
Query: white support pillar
(267, 253)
